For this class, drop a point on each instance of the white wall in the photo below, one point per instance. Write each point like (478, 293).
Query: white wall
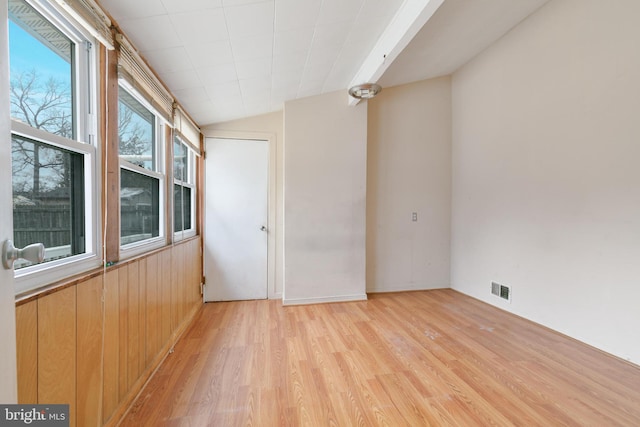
(546, 172)
(409, 170)
(259, 126)
(325, 199)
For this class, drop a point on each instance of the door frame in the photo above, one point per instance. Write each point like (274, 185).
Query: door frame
(8, 363)
(270, 138)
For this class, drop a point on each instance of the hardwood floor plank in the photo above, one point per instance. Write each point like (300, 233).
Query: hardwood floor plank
(434, 358)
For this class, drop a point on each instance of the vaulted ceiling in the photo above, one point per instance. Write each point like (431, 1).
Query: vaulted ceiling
(227, 59)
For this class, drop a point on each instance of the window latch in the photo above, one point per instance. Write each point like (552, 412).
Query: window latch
(33, 253)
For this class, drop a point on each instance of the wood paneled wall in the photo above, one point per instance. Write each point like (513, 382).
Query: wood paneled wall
(95, 343)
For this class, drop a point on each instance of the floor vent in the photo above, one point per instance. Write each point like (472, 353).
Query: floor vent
(502, 291)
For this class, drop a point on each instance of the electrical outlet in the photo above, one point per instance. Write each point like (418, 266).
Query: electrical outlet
(414, 217)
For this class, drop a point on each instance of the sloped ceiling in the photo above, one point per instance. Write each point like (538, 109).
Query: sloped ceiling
(457, 32)
(227, 59)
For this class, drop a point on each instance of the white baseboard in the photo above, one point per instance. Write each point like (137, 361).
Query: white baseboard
(320, 300)
(402, 288)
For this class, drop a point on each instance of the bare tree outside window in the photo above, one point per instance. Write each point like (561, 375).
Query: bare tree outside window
(136, 132)
(42, 104)
(132, 141)
(139, 192)
(47, 179)
(48, 166)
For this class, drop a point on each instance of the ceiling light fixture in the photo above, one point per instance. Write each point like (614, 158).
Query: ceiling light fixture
(365, 90)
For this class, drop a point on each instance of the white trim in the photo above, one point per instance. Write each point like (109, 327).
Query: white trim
(135, 93)
(39, 275)
(60, 19)
(189, 232)
(140, 170)
(79, 19)
(408, 20)
(187, 130)
(189, 183)
(134, 69)
(159, 124)
(160, 146)
(136, 248)
(141, 247)
(320, 300)
(28, 279)
(23, 129)
(8, 367)
(402, 287)
(179, 236)
(85, 101)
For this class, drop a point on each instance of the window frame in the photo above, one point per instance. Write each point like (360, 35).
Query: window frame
(189, 183)
(84, 106)
(132, 249)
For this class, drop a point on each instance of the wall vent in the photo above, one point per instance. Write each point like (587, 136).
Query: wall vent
(495, 288)
(501, 291)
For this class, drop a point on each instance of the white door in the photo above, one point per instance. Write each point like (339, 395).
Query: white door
(236, 188)
(8, 382)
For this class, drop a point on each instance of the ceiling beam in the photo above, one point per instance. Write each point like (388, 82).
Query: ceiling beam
(406, 23)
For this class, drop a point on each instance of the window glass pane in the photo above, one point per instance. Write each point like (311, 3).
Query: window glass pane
(136, 132)
(41, 59)
(186, 207)
(48, 198)
(181, 208)
(139, 207)
(177, 208)
(180, 161)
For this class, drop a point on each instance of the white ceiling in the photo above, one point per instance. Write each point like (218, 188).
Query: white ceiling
(227, 59)
(458, 31)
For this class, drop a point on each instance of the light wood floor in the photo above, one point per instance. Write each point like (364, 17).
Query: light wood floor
(404, 359)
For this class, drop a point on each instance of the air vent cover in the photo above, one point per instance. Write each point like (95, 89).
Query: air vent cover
(495, 288)
(501, 291)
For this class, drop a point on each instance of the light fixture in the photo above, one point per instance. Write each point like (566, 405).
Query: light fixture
(365, 90)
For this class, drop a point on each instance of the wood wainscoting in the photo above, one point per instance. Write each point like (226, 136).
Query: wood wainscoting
(74, 349)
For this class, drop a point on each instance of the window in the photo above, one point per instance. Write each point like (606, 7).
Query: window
(139, 206)
(141, 178)
(183, 189)
(54, 164)
(136, 125)
(48, 199)
(42, 61)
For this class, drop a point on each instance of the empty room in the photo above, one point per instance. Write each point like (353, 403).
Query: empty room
(320, 212)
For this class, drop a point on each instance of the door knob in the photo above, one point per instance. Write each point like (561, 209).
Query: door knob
(33, 253)
(263, 228)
